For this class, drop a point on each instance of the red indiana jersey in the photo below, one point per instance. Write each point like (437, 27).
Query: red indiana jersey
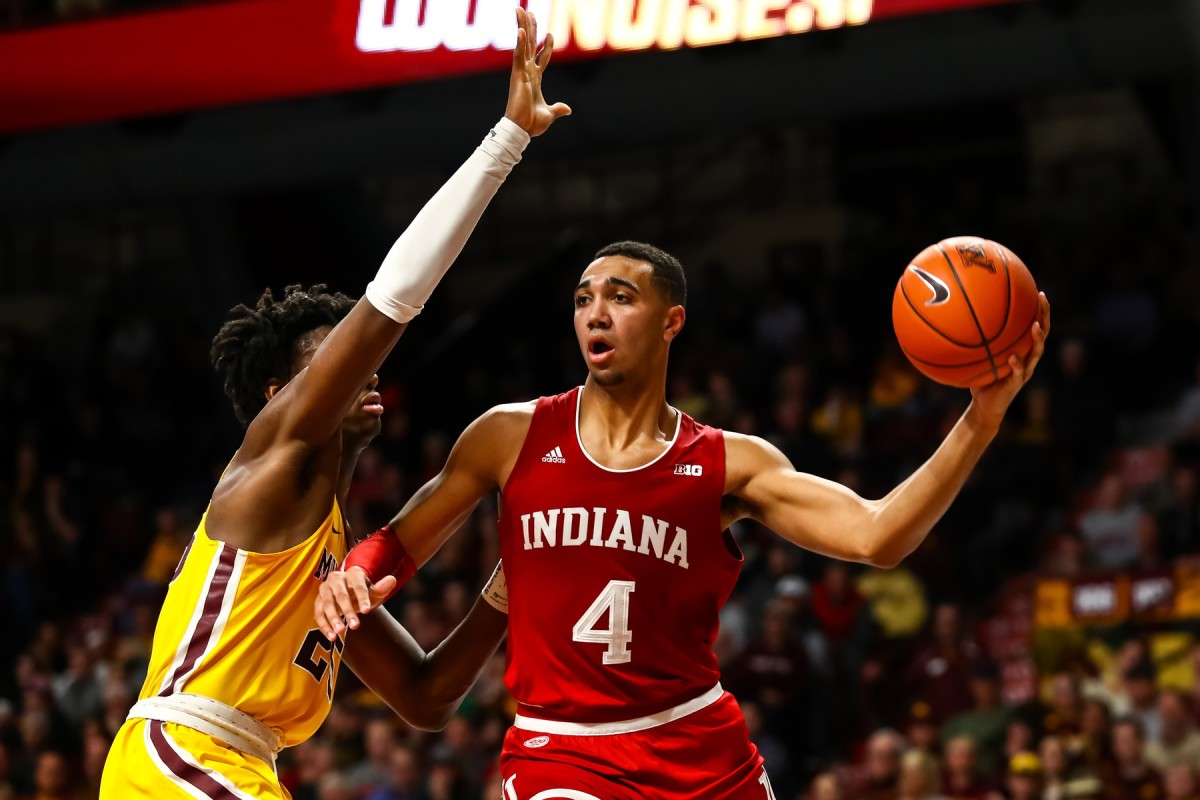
(615, 577)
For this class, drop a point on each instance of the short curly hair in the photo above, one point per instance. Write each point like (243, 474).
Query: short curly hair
(256, 345)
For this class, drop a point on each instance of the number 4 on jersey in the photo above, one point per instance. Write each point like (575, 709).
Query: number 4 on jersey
(614, 600)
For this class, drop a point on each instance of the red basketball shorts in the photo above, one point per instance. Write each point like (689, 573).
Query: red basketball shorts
(697, 751)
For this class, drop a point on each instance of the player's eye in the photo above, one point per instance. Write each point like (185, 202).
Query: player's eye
(581, 300)
(621, 297)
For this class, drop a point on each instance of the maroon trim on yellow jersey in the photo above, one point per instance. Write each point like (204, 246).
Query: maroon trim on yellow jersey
(213, 599)
(181, 769)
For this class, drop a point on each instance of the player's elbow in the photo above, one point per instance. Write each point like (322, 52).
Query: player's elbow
(431, 719)
(882, 548)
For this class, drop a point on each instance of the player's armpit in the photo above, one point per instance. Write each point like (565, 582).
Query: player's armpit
(814, 513)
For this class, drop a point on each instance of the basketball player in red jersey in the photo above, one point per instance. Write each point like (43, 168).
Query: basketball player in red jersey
(237, 669)
(615, 509)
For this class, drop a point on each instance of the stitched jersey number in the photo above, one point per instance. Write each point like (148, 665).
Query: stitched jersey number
(317, 654)
(615, 600)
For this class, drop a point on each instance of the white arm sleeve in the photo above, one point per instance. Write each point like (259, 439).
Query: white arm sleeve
(420, 257)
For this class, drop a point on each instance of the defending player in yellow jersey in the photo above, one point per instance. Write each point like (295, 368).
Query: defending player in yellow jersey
(238, 669)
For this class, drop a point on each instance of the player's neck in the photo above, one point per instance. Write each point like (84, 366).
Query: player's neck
(618, 417)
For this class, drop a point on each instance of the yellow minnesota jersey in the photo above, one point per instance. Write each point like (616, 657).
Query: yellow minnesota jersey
(238, 627)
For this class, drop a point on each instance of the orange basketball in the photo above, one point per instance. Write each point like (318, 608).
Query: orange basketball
(962, 307)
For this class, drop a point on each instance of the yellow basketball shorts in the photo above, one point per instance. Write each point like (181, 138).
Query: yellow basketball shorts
(160, 760)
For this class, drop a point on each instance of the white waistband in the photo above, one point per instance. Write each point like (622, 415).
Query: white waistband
(236, 728)
(621, 726)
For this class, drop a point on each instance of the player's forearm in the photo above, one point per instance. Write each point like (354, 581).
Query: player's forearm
(900, 521)
(431, 243)
(451, 669)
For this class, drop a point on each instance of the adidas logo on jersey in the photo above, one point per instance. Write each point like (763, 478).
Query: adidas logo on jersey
(555, 456)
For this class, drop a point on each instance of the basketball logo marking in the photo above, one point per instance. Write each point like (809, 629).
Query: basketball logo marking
(941, 292)
(974, 255)
(537, 741)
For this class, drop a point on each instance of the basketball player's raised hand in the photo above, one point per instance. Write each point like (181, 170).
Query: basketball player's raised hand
(993, 400)
(526, 105)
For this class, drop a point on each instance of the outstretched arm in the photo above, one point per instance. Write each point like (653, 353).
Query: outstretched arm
(311, 407)
(830, 519)
(425, 689)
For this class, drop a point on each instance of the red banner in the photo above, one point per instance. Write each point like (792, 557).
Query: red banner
(235, 52)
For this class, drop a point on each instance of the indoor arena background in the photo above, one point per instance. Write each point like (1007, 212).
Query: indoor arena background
(794, 175)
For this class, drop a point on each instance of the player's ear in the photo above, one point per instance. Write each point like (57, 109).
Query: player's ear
(676, 316)
(273, 387)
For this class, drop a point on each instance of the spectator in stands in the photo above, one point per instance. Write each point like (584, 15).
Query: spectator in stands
(1140, 698)
(773, 672)
(77, 689)
(918, 777)
(379, 741)
(921, 729)
(1095, 742)
(1129, 777)
(1179, 740)
(335, 786)
(771, 748)
(1023, 779)
(1112, 527)
(827, 786)
(1054, 767)
(52, 780)
(1179, 782)
(962, 780)
(1179, 515)
(404, 777)
(881, 770)
(987, 721)
(1064, 717)
(941, 671)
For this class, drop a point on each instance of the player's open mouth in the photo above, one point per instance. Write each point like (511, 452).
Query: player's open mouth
(599, 351)
(373, 403)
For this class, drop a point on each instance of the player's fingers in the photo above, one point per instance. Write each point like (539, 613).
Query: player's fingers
(519, 50)
(1044, 312)
(325, 621)
(360, 596)
(532, 36)
(343, 603)
(543, 59)
(380, 592)
(1018, 368)
(560, 110)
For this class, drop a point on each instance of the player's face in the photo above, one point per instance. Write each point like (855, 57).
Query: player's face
(623, 322)
(364, 420)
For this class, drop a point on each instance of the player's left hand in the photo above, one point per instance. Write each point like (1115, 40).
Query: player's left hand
(993, 400)
(526, 105)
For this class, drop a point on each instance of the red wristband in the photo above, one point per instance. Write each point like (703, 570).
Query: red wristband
(380, 555)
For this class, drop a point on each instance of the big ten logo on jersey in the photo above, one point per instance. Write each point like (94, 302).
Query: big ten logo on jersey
(695, 470)
(596, 527)
(325, 565)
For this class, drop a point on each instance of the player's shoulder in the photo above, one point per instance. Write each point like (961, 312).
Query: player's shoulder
(747, 455)
(503, 423)
(510, 413)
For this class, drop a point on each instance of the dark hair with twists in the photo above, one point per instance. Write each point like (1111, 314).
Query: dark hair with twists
(256, 345)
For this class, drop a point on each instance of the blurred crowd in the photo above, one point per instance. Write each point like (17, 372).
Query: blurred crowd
(926, 681)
